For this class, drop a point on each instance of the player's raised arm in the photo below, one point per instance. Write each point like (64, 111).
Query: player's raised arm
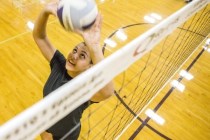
(39, 32)
(91, 37)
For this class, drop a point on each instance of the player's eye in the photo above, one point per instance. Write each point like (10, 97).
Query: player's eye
(74, 50)
(82, 56)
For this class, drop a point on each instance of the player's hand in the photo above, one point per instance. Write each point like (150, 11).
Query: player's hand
(92, 35)
(51, 8)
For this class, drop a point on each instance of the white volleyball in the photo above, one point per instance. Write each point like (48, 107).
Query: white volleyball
(77, 14)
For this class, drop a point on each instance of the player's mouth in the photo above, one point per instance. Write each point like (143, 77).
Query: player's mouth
(71, 62)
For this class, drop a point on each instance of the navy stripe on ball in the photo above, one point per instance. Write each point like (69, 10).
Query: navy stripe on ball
(60, 15)
(89, 25)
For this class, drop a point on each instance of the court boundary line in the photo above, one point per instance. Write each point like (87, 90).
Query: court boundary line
(138, 118)
(159, 89)
(164, 98)
(21, 34)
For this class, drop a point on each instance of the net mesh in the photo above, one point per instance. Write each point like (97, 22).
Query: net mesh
(142, 80)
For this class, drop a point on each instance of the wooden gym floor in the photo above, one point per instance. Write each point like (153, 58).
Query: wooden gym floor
(24, 70)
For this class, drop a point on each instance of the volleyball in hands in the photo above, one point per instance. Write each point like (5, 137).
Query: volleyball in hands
(77, 14)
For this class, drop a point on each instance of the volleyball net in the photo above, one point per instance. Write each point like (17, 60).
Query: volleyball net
(140, 69)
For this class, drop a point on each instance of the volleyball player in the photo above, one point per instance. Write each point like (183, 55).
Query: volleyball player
(81, 58)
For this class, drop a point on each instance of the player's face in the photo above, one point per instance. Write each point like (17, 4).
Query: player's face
(78, 60)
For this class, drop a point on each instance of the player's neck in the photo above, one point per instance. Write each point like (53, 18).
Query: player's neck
(72, 74)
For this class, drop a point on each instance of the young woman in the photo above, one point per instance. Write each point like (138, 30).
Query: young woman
(82, 57)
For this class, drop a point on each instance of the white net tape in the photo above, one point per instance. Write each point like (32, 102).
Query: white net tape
(49, 110)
